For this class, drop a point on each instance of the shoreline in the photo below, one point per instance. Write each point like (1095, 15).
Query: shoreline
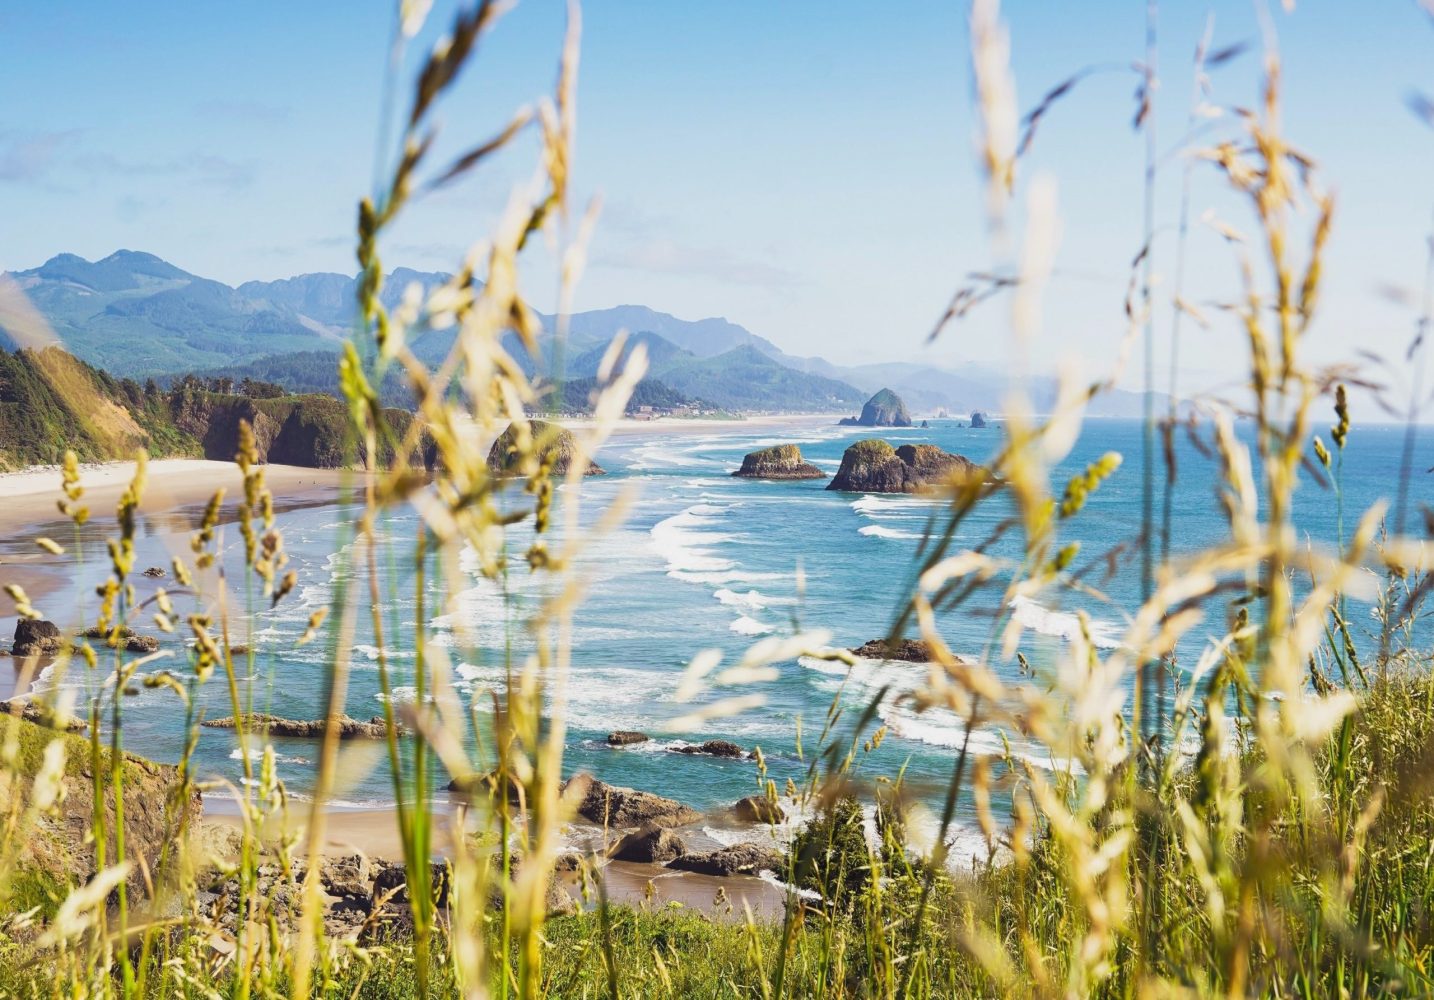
(373, 832)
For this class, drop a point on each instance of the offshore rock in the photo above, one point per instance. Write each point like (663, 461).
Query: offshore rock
(885, 409)
(626, 737)
(978, 419)
(556, 447)
(712, 748)
(348, 728)
(907, 650)
(783, 461)
(873, 466)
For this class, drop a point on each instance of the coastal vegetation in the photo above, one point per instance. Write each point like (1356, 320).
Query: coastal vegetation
(51, 403)
(1257, 822)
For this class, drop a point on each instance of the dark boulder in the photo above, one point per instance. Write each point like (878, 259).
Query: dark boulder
(36, 637)
(739, 859)
(783, 461)
(909, 650)
(759, 809)
(625, 737)
(712, 748)
(873, 466)
(978, 419)
(652, 844)
(123, 637)
(555, 446)
(613, 805)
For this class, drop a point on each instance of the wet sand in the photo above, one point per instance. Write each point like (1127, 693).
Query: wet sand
(175, 491)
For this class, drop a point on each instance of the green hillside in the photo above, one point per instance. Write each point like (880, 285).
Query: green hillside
(51, 403)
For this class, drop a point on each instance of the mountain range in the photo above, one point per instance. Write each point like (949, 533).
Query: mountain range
(136, 315)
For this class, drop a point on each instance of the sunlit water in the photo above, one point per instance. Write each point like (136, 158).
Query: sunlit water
(706, 560)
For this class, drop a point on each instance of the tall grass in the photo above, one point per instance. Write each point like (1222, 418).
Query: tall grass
(1266, 832)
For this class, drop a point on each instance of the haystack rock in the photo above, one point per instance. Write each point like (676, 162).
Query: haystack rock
(783, 461)
(873, 466)
(555, 444)
(885, 409)
(978, 419)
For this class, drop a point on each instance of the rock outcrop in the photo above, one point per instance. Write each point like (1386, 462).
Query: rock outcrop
(758, 809)
(613, 805)
(626, 737)
(782, 461)
(978, 419)
(123, 637)
(652, 844)
(739, 859)
(36, 637)
(712, 748)
(555, 445)
(907, 650)
(61, 843)
(885, 409)
(42, 715)
(873, 466)
(349, 728)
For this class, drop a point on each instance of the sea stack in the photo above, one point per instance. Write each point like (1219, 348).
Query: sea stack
(885, 409)
(555, 444)
(978, 419)
(783, 461)
(874, 466)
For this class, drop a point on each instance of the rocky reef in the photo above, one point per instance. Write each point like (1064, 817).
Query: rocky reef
(874, 466)
(907, 650)
(885, 409)
(783, 461)
(556, 446)
(349, 728)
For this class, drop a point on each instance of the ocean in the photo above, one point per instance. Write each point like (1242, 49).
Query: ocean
(704, 560)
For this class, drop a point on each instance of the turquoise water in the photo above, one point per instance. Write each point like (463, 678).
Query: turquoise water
(706, 560)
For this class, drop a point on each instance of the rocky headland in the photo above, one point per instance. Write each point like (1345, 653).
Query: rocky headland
(556, 446)
(874, 466)
(783, 461)
(885, 409)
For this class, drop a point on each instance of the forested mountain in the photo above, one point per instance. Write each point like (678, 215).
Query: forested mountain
(134, 314)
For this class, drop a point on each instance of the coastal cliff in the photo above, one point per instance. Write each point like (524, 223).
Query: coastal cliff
(874, 466)
(783, 461)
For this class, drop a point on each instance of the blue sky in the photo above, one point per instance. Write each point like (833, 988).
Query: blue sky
(802, 168)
